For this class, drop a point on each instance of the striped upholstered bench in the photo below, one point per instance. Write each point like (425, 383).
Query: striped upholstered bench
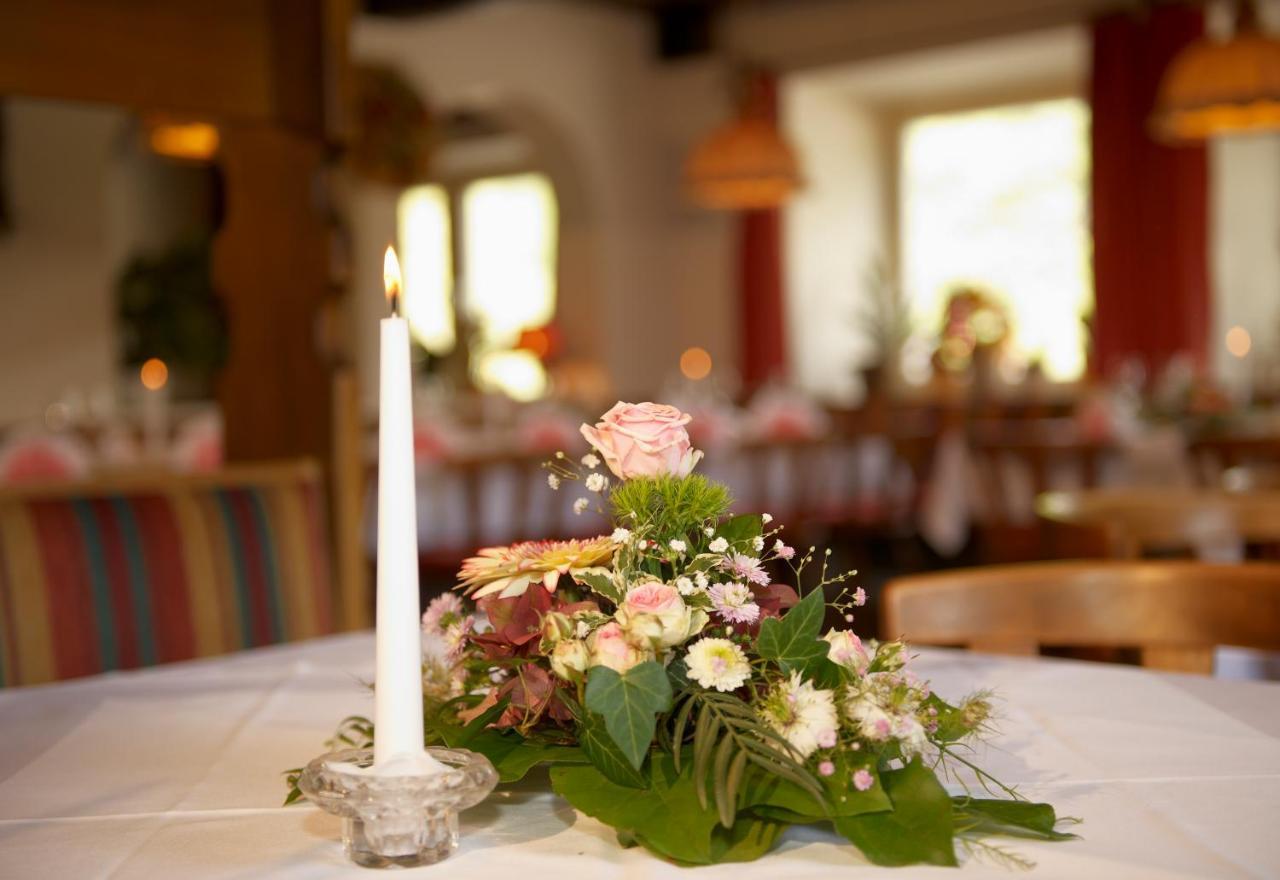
(117, 574)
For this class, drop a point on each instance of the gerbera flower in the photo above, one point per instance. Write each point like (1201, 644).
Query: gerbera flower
(508, 571)
(804, 715)
(746, 568)
(717, 664)
(734, 602)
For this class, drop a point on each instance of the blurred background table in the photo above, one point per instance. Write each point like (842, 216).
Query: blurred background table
(175, 772)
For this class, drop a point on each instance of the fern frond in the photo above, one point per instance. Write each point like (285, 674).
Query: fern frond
(728, 739)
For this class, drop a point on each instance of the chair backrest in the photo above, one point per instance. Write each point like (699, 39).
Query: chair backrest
(1252, 477)
(1136, 520)
(1174, 612)
(132, 571)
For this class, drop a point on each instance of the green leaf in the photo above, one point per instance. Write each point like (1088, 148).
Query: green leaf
(513, 756)
(766, 793)
(919, 830)
(599, 747)
(629, 702)
(792, 640)
(1009, 818)
(665, 818)
(750, 838)
(600, 580)
(742, 528)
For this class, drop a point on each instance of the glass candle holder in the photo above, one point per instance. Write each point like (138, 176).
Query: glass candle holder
(397, 820)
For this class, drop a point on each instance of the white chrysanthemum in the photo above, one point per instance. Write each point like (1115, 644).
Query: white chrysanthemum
(804, 715)
(717, 664)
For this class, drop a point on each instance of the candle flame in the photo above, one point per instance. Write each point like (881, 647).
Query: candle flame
(391, 274)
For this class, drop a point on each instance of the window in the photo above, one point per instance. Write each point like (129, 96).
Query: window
(997, 200)
(505, 283)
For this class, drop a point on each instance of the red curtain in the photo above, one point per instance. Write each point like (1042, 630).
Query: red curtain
(763, 323)
(1149, 201)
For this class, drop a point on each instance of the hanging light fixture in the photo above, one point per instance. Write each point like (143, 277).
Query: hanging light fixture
(1219, 88)
(746, 163)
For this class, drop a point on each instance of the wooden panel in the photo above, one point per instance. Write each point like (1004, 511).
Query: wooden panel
(271, 267)
(176, 55)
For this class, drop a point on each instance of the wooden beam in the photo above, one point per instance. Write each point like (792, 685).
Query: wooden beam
(271, 267)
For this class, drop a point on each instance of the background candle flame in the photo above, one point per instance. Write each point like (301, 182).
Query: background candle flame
(391, 274)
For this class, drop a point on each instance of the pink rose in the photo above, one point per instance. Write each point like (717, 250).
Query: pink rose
(845, 648)
(643, 440)
(654, 613)
(610, 647)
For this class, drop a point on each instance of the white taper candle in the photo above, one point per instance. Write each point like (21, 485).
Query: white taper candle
(398, 689)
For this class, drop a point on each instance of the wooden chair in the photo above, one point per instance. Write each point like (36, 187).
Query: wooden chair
(1136, 521)
(1175, 613)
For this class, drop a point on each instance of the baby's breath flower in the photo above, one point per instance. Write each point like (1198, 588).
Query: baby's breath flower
(782, 551)
(826, 768)
(719, 545)
(766, 518)
(677, 546)
(862, 780)
(701, 580)
(591, 460)
(621, 535)
(553, 481)
(709, 531)
(757, 543)
(597, 482)
(580, 505)
(685, 586)
(859, 596)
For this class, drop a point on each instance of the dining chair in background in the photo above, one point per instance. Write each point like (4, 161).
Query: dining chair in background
(1174, 612)
(1212, 523)
(123, 572)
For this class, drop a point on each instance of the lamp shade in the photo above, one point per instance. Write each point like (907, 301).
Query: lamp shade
(742, 165)
(1218, 88)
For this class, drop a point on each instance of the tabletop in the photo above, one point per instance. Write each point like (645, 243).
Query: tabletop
(176, 772)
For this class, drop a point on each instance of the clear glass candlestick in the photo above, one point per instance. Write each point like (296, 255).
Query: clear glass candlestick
(397, 820)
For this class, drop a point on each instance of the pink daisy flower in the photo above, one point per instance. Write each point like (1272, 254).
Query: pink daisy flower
(442, 611)
(747, 568)
(734, 602)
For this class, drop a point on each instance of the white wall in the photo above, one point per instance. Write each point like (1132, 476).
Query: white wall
(56, 322)
(836, 231)
(650, 277)
(1245, 253)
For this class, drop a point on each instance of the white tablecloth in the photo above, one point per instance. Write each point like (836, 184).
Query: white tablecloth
(175, 773)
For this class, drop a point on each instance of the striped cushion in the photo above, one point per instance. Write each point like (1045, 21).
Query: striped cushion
(122, 578)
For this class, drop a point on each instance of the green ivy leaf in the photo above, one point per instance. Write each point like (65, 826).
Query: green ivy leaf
(792, 640)
(919, 830)
(598, 745)
(600, 580)
(629, 702)
(742, 528)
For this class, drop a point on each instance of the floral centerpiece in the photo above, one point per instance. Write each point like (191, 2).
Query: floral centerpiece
(681, 694)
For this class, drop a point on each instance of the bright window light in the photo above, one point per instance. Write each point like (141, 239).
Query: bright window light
(516, 373)
(509, 241)
(427, 265)
(998, 200)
